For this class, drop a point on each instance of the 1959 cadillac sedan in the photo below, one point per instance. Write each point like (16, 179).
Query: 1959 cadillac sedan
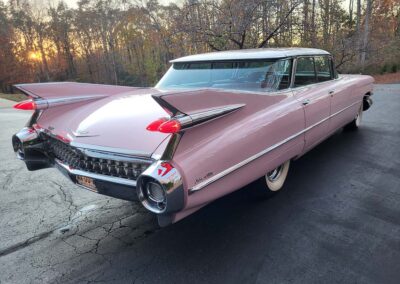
(214, 123)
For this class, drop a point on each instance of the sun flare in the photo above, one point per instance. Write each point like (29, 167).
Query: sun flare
(33, 55)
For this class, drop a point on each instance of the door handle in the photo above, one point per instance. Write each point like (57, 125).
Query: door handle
(305, 102)
(331, 92)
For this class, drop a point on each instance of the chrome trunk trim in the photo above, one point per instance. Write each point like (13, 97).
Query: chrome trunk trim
(196, 118)
(46, 103)
(117, 151)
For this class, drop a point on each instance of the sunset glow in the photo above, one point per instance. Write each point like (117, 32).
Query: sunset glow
(33, 55)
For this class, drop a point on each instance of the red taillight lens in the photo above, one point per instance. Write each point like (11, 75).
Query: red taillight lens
(156, 124)
(170, 126)
(26, 105)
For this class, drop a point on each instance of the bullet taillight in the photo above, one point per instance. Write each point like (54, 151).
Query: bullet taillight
(165, 126)
(26, 105)
(170, 126)
(156, 124)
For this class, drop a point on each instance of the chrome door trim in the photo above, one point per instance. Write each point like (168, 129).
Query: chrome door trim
(227, 171)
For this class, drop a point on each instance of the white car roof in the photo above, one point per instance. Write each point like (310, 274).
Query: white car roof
(259, 53)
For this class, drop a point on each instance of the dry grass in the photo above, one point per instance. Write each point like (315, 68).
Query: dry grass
(390, 78)
(13, 97)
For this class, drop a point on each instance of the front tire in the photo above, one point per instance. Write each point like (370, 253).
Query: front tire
(275, 179)
(356, 122)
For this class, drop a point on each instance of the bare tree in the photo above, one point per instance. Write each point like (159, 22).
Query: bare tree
(368, 12)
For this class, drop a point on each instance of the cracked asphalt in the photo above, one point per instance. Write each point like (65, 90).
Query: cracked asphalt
(337, 220)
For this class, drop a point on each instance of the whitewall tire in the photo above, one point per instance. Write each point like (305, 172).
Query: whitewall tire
(356, 122)
(276, 178)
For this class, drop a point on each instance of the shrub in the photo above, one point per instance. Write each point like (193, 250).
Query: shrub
(384, 69)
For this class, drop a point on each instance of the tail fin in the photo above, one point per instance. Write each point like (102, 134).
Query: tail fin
(194, 107)
(69, 89)
(47, 95)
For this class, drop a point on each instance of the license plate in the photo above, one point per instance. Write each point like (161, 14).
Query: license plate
(86, 182)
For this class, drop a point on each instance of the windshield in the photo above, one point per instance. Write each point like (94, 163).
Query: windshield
(263, 75)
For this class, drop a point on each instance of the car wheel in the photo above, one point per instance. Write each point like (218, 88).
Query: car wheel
(276, 178)
(356, 122)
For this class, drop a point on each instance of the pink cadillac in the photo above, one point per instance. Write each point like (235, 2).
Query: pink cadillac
(214, 123)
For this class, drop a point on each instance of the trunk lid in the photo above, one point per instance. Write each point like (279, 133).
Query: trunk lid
(116, 123)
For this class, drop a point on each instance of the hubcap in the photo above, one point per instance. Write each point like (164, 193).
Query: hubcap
(274, 174)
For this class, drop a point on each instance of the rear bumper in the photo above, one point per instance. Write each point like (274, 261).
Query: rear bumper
(104, 173)
(110, 186)
(30, 148)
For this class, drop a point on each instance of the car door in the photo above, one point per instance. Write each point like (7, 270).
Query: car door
(344, 103)
(315, 99)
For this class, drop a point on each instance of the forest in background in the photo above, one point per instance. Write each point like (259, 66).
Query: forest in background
(130, 42)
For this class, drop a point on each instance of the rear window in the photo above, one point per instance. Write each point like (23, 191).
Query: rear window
(262, 75)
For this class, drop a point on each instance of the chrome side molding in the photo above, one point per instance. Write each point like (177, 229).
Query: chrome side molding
(235, 167)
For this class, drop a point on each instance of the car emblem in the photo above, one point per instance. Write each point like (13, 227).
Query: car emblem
(79, 132)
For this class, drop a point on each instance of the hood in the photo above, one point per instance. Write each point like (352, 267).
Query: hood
(115, 123)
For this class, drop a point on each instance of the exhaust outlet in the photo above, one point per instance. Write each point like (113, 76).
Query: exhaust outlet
(29, 148)
(367, 102)
(17, 146)
(160, 188)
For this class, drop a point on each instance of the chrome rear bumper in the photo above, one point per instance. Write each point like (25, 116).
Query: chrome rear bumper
(33, 148)
(110, 186)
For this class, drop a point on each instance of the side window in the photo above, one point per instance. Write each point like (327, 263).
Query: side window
(305, 72)
(277, 76)
(323, 68)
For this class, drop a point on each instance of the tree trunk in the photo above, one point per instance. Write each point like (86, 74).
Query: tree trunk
(44, 60)
(368, 12)
(306, 26)
(313, 27)
(351, 4)
(358, 34)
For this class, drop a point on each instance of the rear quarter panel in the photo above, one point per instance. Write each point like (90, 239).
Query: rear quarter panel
(348, 96)
(208, 149)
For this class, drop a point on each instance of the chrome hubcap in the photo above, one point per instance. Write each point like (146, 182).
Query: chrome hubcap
(274, 174)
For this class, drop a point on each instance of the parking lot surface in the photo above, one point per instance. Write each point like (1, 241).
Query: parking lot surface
(337, 220)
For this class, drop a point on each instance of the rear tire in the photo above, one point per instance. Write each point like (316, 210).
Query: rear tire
(273, 181)
(356, 122)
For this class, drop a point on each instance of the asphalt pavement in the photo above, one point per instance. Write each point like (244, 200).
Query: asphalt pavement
(336, 221)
